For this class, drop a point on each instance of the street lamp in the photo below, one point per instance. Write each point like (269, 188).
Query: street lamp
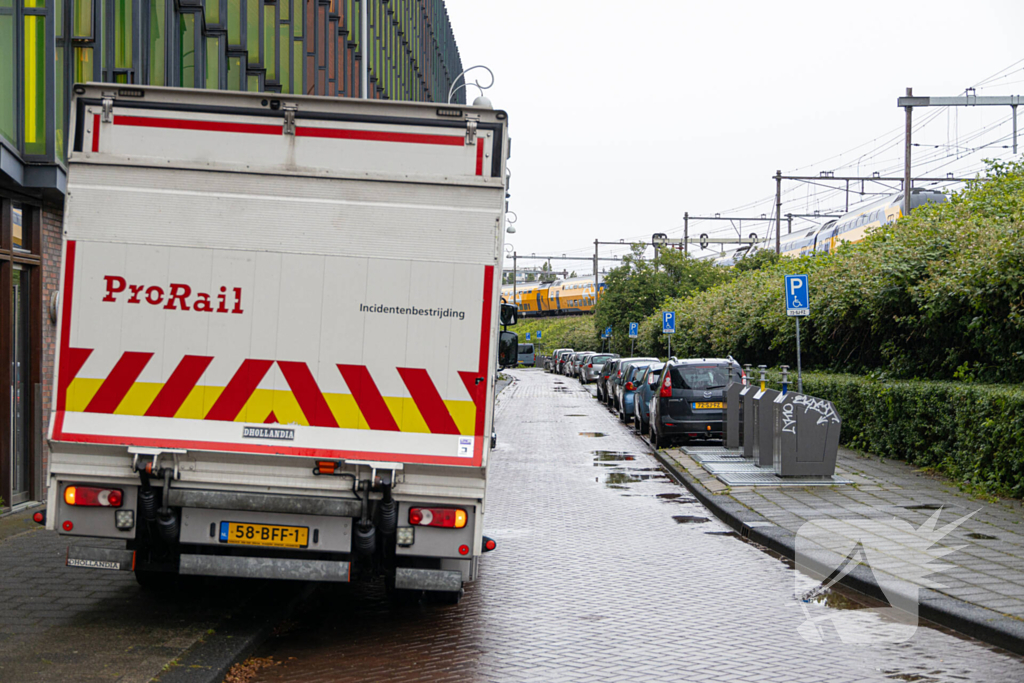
(456, 86)
(511, 221)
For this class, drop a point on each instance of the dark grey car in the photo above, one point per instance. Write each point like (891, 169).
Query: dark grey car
(689, 404)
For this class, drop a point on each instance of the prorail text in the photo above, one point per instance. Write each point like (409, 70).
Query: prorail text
(178, 297)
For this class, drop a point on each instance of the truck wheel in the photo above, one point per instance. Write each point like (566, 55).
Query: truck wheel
(156, 582)
(447, 597)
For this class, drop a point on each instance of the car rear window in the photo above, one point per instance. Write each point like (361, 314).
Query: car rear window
(600, 359)
(700, 377)
(526, 348)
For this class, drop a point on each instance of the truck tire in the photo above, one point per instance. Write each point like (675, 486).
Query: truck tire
(156, 582)
(446, 597)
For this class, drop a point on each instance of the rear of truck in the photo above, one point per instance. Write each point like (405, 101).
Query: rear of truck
(277, 336)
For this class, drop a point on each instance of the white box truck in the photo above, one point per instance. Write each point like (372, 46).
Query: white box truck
(278, 336)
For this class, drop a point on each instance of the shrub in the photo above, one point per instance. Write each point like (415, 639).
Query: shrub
(973, 433)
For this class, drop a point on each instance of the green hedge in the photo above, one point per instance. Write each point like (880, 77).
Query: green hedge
(973, 433)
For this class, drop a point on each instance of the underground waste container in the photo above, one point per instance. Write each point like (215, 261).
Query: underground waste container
(806, 436)
(763, 430)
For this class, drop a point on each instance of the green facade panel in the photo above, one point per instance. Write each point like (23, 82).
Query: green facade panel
(289, 46)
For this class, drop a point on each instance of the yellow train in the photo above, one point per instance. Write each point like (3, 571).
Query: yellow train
(561, 297)
(854, 226)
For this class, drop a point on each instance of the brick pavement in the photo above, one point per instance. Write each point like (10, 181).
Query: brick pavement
(605, 571)
(987, 571)
(65, 624)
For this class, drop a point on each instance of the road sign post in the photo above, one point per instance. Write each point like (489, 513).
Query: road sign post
(798, 304)
(668, 326)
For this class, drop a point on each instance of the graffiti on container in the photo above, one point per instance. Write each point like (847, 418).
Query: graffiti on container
(824, 408)
(788, 418)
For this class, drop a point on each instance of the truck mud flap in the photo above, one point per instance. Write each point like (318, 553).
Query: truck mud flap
(100, 558)
(265, 568)
(428, 579)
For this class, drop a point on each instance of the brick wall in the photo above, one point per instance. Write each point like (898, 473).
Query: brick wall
(51, 252)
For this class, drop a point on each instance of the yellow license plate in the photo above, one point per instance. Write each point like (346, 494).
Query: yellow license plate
(264, 534)
(709, 406)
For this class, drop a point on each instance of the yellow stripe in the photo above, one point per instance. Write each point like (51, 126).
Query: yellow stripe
(286, 409)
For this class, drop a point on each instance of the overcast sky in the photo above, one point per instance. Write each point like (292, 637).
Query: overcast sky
(625, 114)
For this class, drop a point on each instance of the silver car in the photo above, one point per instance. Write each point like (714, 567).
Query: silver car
(579, 361)
(591, 369)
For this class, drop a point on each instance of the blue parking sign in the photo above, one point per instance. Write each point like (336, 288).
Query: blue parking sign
(527, 336)
(634, 330)
(798, 299)
(668, 322)
(538, 335)
(608, 332)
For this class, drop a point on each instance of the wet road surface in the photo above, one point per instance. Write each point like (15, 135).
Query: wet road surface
(605, 571)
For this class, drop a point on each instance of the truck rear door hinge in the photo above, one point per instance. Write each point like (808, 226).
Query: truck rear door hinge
(289, 118)
(108, 110)
(470, 132)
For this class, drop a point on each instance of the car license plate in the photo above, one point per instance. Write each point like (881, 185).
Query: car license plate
(264, 534)
(709, 406)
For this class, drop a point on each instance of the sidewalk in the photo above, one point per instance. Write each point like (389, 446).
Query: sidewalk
(982, 591)
(64, 624)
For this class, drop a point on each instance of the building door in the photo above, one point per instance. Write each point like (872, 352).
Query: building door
(21, 451)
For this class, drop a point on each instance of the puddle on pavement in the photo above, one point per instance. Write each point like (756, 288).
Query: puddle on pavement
(834, 599)
(670, 496)
(981, 537)
(576, 415)
(923, 506)
(722, 533)
(605, 456)
(689, 519)
(593, 434)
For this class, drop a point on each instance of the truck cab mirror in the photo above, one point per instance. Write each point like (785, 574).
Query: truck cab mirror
(508, 349)
(509, 314)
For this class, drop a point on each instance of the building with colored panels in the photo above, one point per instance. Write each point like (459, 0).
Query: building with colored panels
(312, 47)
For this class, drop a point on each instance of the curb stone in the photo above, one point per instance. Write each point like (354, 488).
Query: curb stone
(235, 639)
(963, 617)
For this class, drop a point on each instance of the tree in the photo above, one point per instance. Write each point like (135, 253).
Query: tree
(637, 288)
(547, 275)
(574, 274)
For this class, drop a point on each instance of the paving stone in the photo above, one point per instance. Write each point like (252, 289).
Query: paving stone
(591, 583)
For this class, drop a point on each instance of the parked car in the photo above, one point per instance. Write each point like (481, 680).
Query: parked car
(646, 383)
(559, 360)
(690, 402)
(591, 370)
(579, 361)
(627, 389)
(550, 361)
(526, 356)
(619, 380)
(608, 371)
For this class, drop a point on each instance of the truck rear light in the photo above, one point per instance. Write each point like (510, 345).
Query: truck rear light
(489, 544)
(67, 525)
(463, 550)
(666, 387)
(93, 496)
(451, 518)
(39, 518)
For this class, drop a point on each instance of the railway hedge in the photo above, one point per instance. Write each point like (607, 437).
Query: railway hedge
(972, 433)
(938, 295)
